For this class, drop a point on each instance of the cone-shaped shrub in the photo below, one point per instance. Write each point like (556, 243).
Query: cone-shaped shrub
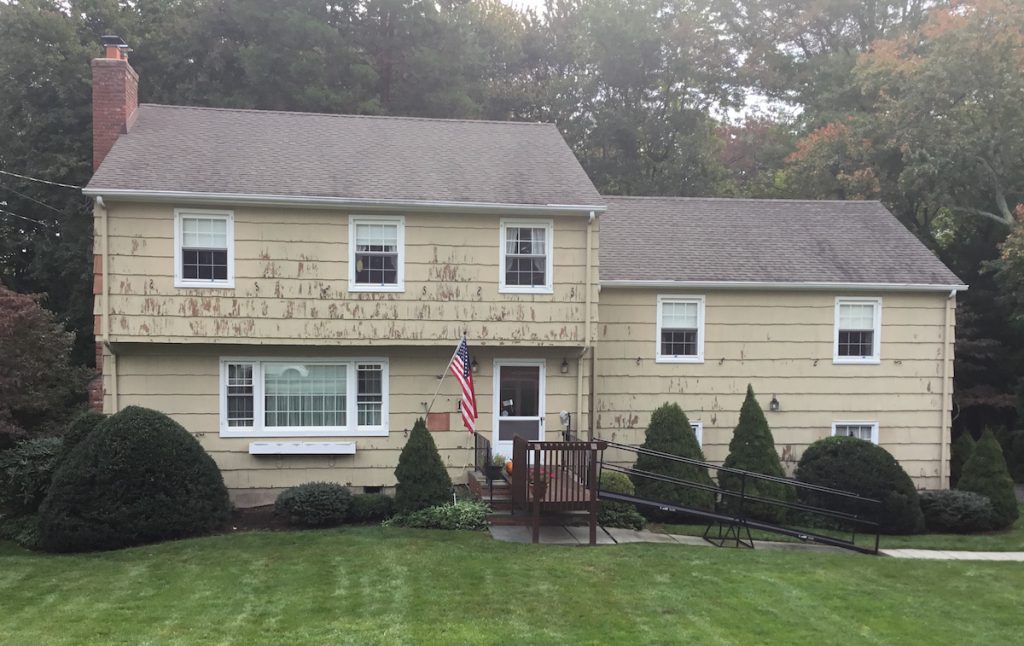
(860, 467)
(753, 449)
(422, 479)
(985, 473)
(670, 432)
(1015, 457)
(961, 452)
(138, 477)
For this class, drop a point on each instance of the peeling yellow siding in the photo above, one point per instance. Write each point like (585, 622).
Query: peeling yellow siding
(781, 343)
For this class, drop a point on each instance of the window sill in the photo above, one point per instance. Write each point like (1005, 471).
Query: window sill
(204, 284)
(679, 360)
(869, 361)
(234, 432)
(302, 448)
(525, 290)
(395, 289)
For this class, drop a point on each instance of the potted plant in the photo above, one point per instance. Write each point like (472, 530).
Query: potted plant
(493, 470)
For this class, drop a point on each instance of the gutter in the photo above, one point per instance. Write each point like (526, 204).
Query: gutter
(105, 301)
(351, 203)
(588, 317)
(783, 286)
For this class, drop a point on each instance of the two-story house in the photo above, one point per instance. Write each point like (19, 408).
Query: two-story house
(290, 286)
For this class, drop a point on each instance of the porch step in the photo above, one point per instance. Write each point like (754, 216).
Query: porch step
(497, 495)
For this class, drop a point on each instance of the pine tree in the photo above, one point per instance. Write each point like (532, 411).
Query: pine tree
(753, 449)
(985, 473)
(670, 432)
(962, 450)
(422, 479)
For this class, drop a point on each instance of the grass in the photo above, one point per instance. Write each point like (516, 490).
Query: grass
(381, 586)
(1008, 540)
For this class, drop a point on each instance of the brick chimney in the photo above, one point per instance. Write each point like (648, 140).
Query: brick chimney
(115, 97)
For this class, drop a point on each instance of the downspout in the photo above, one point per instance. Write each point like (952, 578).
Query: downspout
(580, 360)
(947, 366)
(105, 300)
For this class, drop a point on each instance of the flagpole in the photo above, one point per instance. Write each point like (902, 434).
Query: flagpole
(443, 375)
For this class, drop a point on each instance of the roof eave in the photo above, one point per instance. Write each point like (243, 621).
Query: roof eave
(362, 204)
(783, 286)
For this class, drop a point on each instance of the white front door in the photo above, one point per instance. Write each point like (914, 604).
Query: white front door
(518, 402)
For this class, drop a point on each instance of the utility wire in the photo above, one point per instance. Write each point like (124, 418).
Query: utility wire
(22, 217)
(29, 197)
(36, 179)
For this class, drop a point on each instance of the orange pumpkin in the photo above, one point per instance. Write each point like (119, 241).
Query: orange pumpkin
(508, 466)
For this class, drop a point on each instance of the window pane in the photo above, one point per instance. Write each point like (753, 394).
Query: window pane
(856, 343)
(519, 391)
(679, 343)
(526, 256)
(859, 431)
(204, 264)
(680, 314)
(208, 233)
(377, 237)
(305, 395)
(370, 394)
(376, 269)
(856, 316)
(240, 395)
(525, 271)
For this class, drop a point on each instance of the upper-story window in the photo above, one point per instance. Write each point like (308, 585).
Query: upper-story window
(680, 333)
(526, 256)
(867, 431)
(204, 248)
(376, 254)
(858, 330)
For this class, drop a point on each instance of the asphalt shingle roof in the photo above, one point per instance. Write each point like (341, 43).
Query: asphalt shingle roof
(712, 240)
(211, 150)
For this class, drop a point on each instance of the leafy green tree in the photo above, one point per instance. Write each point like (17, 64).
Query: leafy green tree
(961, 452)
(422, 478)
(669, 432)
(985, 473)
(752, 448)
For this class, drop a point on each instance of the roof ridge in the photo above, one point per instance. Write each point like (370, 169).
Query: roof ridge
(348, 116)
(679, 198)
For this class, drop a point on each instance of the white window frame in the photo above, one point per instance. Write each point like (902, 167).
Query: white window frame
(549, 252)
(209, 214)
(876, 355)
(873, 425)
(354, 220)
(351, 429)
(698, 430)
(679, 358)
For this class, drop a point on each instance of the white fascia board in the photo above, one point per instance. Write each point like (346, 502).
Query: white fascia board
(188, 197)
(783, 286)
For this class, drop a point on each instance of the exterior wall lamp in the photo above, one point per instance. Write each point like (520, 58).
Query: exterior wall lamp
(564, 368)
(773, 405)
(475, 366)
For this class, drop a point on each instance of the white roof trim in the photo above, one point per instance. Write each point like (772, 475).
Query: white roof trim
(769, 285)
(188, 197)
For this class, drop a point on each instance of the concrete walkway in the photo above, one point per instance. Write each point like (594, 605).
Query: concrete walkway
(577, 535)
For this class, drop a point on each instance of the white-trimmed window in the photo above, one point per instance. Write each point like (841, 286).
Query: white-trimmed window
(867, 431)
(376, 259)
(680, 330)
(303, 397)
(858, 330)
(204, 248)
(698, 430)
(527, 250)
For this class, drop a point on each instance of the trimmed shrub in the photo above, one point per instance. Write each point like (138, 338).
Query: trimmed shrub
(955, 512)
(25, 474)
(960, 453)
(670, 432)
(858, 466)
(1015, 458)
(23, 530)
(986, 474)
(314, 504)
(753, 449)
(77, 431)
(465, 514)
(140, 477)
(370, 507)
(422, 479)
(619, 514)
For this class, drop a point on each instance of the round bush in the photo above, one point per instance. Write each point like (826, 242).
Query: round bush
(314, 504)
(985, 473)
(77, 431)
(25, 474)
(618, 514)
(371, 507)
(860, 467)
(139, 477)
(955, 512)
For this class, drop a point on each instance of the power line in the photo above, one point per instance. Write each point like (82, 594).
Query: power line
(36, 179)
(29, 197)
(22, 217)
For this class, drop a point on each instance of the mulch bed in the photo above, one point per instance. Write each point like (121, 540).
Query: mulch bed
(257, 518)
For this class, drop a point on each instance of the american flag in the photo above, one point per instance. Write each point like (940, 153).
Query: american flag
(464, 374)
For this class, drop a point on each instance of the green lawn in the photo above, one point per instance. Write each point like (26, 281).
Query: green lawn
(1010, 540)
(370, 585)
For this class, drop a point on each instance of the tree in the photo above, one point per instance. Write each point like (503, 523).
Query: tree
(669, 432)
(985, 473)
(753, 449)
(422, 478)
(961, 452)
(39, 386)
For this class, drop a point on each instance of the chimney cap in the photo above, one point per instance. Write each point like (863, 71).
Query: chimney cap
(113, 40)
